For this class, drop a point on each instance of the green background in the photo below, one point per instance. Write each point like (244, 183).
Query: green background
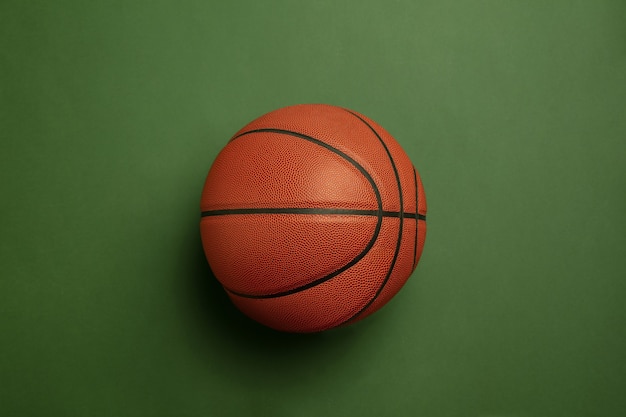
(513, 112)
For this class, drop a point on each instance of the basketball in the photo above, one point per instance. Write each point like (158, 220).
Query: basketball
(312, 217)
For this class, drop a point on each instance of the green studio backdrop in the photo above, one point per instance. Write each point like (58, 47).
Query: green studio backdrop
(513, 112)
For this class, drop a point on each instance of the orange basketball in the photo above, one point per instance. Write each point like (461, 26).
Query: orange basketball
(312, 217)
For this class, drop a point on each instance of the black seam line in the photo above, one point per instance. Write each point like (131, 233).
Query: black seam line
(357, 258)
(416, 223)
(400, 227)
(307, 210)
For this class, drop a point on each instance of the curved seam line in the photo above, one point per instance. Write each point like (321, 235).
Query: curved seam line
(357, 258)
(400, 228)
